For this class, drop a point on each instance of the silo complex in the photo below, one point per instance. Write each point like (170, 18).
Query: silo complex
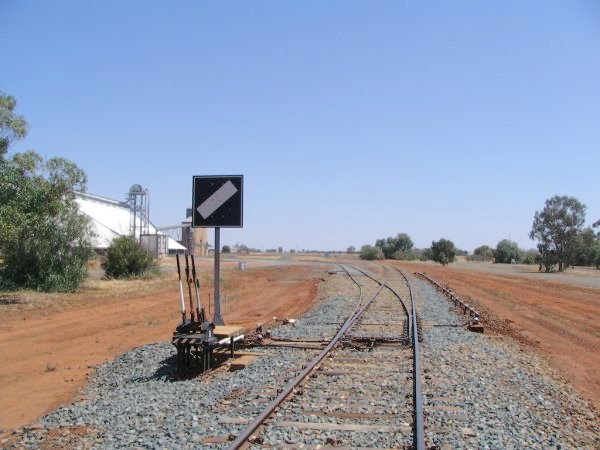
(194, 239)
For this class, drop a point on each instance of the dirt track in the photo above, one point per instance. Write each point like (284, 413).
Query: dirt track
(559, 319)
(46, 355)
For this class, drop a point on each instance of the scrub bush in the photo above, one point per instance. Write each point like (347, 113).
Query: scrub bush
(127, 258)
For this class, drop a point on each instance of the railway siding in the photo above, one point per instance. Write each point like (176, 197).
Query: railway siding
(357, 420)
(482, 391)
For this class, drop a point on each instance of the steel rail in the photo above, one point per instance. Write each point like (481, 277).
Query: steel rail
(448, 293)
(390, 289)
(287, 390)
(419, 436)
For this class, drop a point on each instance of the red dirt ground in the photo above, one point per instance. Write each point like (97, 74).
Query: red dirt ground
(46, 354)
(45, 359)
(560, 320)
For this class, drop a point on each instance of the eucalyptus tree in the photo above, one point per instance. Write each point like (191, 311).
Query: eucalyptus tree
(483, 253)
(556, 228)
(12, 126)
(507, 251)
(443, 251)
(44, 241)
(399, 247)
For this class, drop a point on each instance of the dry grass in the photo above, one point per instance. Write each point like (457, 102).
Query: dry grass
(92, 290)
(120, 288)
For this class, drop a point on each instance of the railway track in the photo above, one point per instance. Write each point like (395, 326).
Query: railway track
(360, 389)
(479, 392)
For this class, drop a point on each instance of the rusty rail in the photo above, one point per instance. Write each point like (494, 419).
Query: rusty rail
(288, 389)
(448, 293)
(419, 436)
(474, 323)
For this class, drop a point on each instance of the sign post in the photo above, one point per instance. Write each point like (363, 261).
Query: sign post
(218, 319)
(218, 202)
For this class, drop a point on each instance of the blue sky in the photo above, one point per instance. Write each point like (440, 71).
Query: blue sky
(350, 120)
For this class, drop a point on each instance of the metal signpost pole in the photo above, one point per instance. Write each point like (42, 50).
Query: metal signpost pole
(217, 319)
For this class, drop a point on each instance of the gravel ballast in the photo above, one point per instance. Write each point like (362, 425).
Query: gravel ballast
(483, 391)
(479, 391)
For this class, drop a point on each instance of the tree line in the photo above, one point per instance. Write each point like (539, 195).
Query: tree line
(402, 248)
(558, 227)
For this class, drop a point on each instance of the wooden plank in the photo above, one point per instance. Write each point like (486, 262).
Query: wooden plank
(338, 373)
(223, 331)
(234, 420)
(372, 392)
(328, 447)
(215, 440)
(298, 344)
(348, 415)
(341, 427)
(240, 362)
(276, 339)
(452, 409)
(440, 399)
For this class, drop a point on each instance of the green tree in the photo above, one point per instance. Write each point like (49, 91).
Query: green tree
(399, 247)
(423, 254)
(531, 256)
(369, 252)
(351, 249)
(556, 228)
(46, 242)
(125, 258)
(595, 256)
(226, 249)
(507, 251)
(483, 253)
(443, 251)
(585, 248)
(386, 246)
(12, 126)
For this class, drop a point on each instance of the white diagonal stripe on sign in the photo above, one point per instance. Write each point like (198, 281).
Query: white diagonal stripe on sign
(220, 196)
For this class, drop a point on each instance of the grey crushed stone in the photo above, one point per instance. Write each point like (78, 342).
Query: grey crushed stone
(486, 392)
(479, 391)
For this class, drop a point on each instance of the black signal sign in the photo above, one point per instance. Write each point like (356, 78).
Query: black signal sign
(218, 201)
